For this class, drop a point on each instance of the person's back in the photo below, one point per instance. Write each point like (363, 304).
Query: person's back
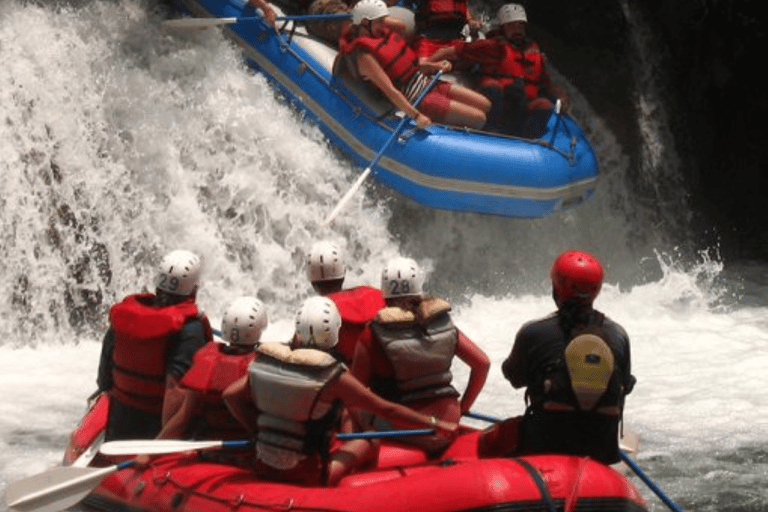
(299, 392)
(575, 366)
(197, 409)
(150, 345)
(326, 270)
(407, 352)
(357, 306)
(561, 417)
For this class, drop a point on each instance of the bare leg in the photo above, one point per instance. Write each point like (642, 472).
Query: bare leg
(468, 96)
(351, 455)
(461, 114)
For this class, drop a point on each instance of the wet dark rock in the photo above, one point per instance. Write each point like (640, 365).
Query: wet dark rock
(710, 55)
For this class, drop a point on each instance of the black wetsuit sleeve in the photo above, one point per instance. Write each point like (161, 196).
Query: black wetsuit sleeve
(182, 350)
(622, 353)
(629, 379)
(515, 366)
(104, 376)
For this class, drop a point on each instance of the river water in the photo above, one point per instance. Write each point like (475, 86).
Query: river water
(119, 143)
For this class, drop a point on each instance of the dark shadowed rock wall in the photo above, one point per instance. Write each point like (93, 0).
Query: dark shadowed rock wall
(712, 67)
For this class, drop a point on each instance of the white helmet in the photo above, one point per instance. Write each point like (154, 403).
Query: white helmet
(511, 12)
(179, 272)
(318, 324)
(244, 321)
(368, 10)
(401, 278)
(325, 262)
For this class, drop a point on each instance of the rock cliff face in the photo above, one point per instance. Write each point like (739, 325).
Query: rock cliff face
(711, 55)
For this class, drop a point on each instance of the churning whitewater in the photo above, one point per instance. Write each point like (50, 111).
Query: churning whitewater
(119, 142)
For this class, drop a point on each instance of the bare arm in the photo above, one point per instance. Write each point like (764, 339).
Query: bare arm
(237, 398)
(178, 409)
(369, 67)
(479, 364)
(444, 53)
(355, 395)
(430, 66)
(269, 13)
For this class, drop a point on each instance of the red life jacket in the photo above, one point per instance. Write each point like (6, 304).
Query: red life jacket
(357, 306)
(392, 52)
(212, 371)
(143, 334)
(508, 64)
(433, 12)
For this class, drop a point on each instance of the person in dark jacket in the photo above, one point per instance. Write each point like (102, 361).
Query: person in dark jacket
(575, 367)
(150, 345)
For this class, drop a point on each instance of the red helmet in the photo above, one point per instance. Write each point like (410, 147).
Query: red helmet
(576, 275)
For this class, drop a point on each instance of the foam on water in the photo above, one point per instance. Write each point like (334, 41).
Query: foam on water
(119, 142)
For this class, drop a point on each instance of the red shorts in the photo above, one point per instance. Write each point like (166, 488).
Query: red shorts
(437, 102)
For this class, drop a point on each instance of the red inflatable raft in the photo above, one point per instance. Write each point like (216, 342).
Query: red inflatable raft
(403, 480)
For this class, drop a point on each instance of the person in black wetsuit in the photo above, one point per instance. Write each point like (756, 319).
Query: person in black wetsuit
(575, 366)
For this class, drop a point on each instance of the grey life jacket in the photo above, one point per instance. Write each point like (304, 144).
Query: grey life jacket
(286, 385)
(420, 349)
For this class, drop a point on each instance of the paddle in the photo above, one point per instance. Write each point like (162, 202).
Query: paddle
(344, 200)
(382, 434)
(163, 446)
(650, 483)
(87, 456)
(195, 23)
(57, 489)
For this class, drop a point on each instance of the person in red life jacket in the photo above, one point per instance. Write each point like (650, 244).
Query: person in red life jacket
(194, 409)
(441, 24)
(575, 366)
(331, 31)
(149, 347)
(513, 74)
(381, 55)
(326, 269)
(299, 392)
(405, 354)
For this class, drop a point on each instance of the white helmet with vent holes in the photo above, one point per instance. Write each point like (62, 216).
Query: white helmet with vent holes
(317, 324)
(401, 277)
(179, 272)
(325, 262)
(509, 13)
(244, 320)
(369, 10)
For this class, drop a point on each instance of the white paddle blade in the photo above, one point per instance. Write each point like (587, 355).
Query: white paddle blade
(347, 197)
(194, 23)
(629, 441)
(154, 446)
(88, 455)
(54, 490)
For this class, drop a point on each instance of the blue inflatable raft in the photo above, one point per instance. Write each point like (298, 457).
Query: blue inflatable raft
(441, 167)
